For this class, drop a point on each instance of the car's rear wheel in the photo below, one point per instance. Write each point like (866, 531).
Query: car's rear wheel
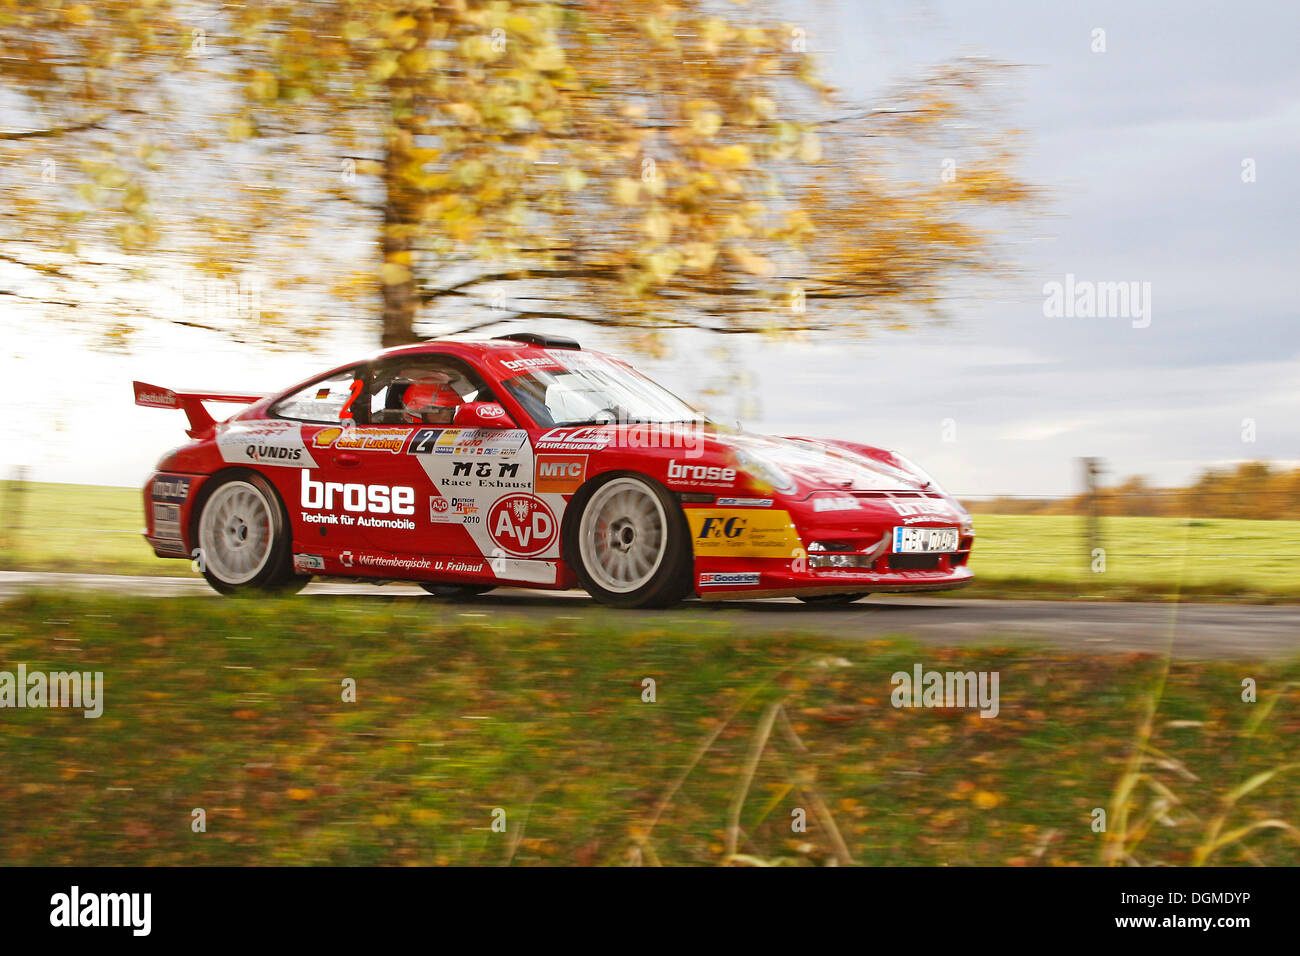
(455, 591)
(243, 537)
(831, 600)
(630, 545)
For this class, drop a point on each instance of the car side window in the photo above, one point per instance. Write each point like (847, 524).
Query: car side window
(323, 401)
(423, 389)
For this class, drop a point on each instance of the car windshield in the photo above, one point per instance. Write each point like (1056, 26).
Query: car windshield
(580, 388)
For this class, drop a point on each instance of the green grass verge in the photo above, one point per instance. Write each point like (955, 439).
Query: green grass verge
(1145, 558)
(236, 707)
(94, 529)
(82, 528)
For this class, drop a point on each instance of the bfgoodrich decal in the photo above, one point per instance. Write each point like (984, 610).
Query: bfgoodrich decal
(728, 579)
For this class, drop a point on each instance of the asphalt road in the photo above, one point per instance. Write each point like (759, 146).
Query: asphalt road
(1198, 630)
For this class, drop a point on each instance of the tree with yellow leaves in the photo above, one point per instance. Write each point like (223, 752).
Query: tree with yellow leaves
(640, 163)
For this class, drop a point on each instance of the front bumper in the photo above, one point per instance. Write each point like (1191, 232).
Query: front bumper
(754, 583)
(830, 543)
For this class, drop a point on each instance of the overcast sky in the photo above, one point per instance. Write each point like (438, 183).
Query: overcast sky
(1141, 150)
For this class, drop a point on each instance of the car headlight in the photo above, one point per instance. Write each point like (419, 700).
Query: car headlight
(766, 472)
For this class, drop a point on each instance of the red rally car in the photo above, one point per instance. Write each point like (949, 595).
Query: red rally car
(527, 461)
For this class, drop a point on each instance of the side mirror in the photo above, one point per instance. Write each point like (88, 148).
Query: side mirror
(481, 415)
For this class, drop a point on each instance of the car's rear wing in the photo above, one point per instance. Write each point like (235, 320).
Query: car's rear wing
(201, 423)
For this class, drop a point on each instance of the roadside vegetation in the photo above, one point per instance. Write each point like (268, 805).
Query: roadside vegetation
(237, 708)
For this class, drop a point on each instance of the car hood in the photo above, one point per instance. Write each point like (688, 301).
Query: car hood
(805, 464)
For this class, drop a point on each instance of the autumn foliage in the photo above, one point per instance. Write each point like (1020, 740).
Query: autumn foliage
(426, 167)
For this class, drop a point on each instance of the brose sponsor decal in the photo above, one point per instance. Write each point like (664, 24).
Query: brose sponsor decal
(522, 524)
(742, 534)
(700, 474)
(515, 365)
(559, 474)
(735, 578)
(375, 499)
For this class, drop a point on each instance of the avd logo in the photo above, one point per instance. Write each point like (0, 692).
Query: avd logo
(522, 524)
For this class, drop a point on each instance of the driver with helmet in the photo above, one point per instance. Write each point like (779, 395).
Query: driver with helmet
(429, 399)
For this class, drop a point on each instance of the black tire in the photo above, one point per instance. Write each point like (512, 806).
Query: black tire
(455, 591)
(668, 578)
(263, 514)
(830, 600)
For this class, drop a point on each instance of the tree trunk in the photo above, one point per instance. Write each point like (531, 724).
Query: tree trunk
(400, 298)
(402, 202)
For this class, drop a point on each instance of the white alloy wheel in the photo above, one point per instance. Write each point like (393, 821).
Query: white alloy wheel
(623, 535)
(235, 532)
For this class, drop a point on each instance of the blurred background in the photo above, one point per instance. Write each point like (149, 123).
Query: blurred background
(217, 195)
(1047, 251)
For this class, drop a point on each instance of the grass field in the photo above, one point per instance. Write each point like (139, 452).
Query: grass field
(235, 707)
(90, 528)
(1046, 555)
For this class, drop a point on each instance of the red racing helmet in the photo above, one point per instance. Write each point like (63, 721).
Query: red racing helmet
(422, 398)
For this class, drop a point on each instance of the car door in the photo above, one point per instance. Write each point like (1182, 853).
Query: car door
(409, 446)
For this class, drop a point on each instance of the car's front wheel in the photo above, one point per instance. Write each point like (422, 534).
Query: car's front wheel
(630, 546)
(243, 538)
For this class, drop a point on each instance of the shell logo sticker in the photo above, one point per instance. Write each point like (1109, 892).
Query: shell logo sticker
(326, 436)
(522, 524)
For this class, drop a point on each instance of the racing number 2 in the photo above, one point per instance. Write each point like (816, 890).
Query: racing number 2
(345, 411)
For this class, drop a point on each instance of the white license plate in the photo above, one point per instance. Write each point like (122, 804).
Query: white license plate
(928, 540)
